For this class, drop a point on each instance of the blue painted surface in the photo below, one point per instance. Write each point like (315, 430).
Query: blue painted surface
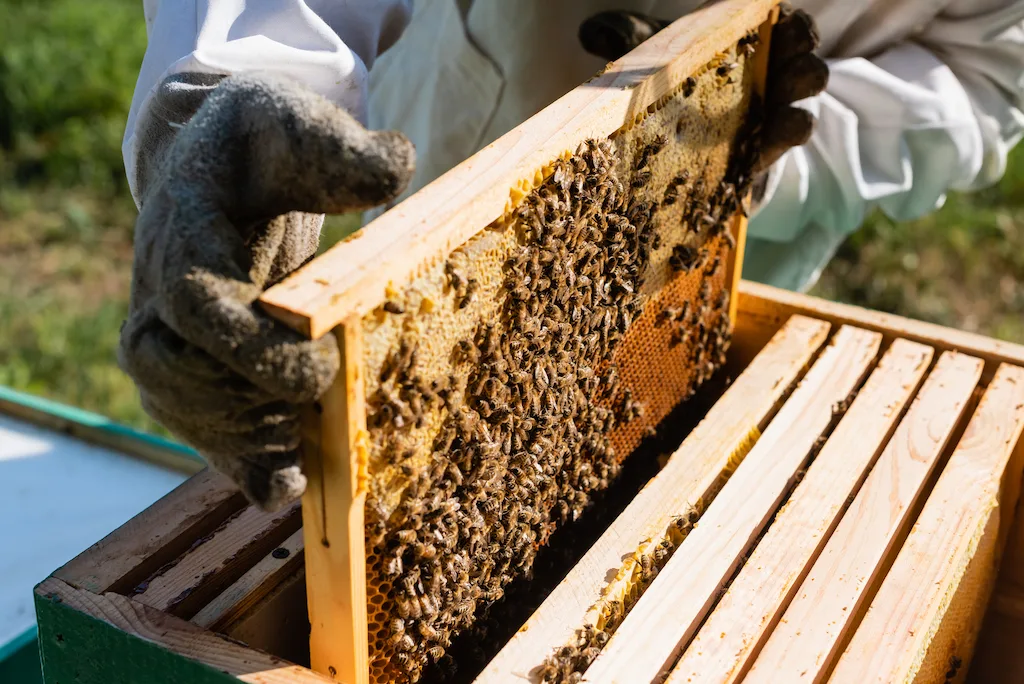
(66, 495)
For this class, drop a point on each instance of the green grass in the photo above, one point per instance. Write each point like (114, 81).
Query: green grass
(67, 71)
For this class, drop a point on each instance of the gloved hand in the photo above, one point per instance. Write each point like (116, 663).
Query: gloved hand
(223, 216)
(794, 73)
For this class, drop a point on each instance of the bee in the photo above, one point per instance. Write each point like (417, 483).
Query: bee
(468, 293)
(727, 68)
(689, 86)
(683, 258)
(393, 307)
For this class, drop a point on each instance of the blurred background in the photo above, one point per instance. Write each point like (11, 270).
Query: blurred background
(67, 71)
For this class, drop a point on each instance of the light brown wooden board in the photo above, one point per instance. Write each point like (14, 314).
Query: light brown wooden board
(332, 514)
(764, 308)
(216, 560)
(181, 637)
(698, 135)
(351, 278)
(670, 611)
(724, 647)
(253, 586)
(688, 477)
(158, 535)
(804, 645)
(928, 608)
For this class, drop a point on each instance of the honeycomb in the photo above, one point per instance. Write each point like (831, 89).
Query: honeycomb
(507, 382)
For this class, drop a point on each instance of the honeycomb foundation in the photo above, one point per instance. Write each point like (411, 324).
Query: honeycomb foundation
(507, 383)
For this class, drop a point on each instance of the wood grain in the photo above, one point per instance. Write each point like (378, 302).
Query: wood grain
(159, 534)
(173, 634)
(255, 584)
(725, 646)
(216, 560)
(951, 549)
(690, 474)
(764, 308)
(804, 645)
(332, 514)
(669, 612)
(350, 279)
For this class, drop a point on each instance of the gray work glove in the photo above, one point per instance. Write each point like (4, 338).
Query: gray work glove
(794, 73)
(230, 205)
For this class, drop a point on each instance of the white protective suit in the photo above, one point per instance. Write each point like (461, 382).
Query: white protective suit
(925, 96)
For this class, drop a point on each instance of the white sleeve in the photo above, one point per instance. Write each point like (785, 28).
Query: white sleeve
(896, 131)
(328, 45)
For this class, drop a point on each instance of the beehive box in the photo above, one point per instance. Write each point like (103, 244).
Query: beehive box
(846, 510)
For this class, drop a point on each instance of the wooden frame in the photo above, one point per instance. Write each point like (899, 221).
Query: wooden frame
(92, 623)
(335, 290)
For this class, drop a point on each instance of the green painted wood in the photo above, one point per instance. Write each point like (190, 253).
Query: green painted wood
(19, 660)
(79, 649)
(94, 428)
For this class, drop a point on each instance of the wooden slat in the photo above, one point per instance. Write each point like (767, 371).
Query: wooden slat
(740, 221)
(278, 623)
(764, 308)
(179, 636)
(350, 279)
(217, 560)
(332, 514)
(804, 645)
(253, 585)
(725, 646)
(916, 624)
(688, 477)
(669, 612)
(162, 532)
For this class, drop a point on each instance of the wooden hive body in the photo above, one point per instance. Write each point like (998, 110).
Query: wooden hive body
(922, 468)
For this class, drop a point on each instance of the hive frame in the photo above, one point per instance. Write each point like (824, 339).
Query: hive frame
(355, 276)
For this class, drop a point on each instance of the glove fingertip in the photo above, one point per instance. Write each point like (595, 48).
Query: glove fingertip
(273, 490)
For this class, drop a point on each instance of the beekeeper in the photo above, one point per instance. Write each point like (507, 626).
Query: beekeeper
(237, 141)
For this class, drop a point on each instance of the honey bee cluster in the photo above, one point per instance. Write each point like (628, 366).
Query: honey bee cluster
(568, 663)
(525, 438)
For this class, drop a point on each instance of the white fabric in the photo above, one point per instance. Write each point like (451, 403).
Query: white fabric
(925, 95)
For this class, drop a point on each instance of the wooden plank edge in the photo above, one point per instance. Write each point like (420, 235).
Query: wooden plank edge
(214, 561)
(929, 606)
(740, 221)
(156, 536)
(98, 430)
(351, 278)
(254, 585)
(765, 308)
(110, 639)
(833, 596)
(696, 468)
(727, 643)
(333, 520)
(667, 615)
